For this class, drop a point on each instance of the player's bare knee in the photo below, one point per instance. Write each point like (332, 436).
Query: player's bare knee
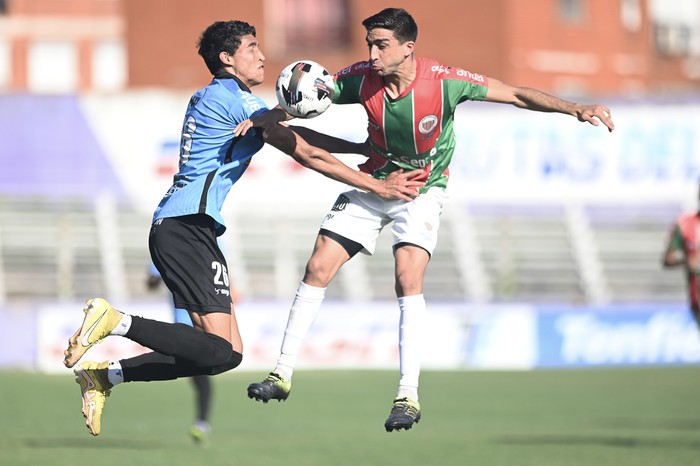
(408, 285)
(317, 273)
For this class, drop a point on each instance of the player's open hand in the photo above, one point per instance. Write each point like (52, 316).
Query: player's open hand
(595, 114)
(242, 128)
(401, 185)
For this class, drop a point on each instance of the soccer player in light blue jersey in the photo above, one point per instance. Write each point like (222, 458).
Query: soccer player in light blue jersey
(188, 221)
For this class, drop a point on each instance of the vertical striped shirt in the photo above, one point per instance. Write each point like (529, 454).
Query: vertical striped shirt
(415, 130)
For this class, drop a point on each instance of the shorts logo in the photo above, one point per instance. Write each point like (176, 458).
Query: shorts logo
(155, 224)
(341, 203)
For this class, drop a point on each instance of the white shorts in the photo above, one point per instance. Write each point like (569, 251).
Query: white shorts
(361, 216)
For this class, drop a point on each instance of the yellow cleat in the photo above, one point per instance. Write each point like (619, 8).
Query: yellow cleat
(200, 433)
(94, 388)
(100, 319)
(404, 413)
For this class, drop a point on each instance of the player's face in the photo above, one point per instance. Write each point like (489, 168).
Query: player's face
(386, 54)
(248, 62)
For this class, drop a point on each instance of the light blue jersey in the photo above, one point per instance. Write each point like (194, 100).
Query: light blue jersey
(211, 160)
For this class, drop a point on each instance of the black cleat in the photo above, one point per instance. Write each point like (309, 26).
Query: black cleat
(404, 414)
(273, 387)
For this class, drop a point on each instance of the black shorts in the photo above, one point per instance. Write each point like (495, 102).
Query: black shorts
(187, 255)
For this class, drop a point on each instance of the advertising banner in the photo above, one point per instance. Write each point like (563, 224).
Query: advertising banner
(457, 336)
(617, 335)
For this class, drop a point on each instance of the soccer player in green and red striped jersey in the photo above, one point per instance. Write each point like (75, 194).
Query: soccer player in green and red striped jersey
(682, 248)
(410, 104)
(414, 129)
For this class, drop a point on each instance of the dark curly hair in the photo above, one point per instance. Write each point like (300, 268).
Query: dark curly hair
(397, 20)
(222, 36)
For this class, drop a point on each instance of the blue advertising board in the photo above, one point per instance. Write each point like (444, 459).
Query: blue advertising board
(616, 335)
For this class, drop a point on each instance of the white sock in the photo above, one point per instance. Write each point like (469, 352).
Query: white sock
(410, 344)
(302, 315)
(123, 326)
(115, 375)
(203, 426)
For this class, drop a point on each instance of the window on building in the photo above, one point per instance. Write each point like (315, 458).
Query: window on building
(5, 64)
(672, 40)
(676, 27)
(52, 67)
(109, 66)
(631, 15)
(572, 11)
(307, 25)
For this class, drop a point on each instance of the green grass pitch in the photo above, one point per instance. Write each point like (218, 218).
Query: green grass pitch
(616, 417)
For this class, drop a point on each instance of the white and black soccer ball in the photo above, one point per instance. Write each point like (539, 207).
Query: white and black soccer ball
(304, 89)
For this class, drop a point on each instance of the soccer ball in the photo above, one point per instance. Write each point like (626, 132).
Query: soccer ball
(304, 89)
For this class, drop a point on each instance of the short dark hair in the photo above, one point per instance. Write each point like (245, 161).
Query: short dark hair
(397, 20)
(221, 36)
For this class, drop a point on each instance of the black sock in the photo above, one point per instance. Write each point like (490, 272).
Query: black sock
(155, 366)
(178, 351)
(202, 384)
(180, 340)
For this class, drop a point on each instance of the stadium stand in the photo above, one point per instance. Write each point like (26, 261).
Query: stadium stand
(74, 248)
(630, 239)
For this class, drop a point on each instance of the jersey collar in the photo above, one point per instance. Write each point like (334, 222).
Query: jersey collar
(226, 75)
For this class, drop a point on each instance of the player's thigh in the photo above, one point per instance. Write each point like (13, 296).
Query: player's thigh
(218, 323)
(185, 251)
(418, 222)
(325, 261)
(359, 217)
(410, 264)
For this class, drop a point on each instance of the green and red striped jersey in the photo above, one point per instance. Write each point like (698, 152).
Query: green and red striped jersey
(685, 239)
(415, 130)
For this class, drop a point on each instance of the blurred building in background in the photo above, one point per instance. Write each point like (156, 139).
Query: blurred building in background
(550, 248)
(544, 209)
(49, 46)
(570, 47)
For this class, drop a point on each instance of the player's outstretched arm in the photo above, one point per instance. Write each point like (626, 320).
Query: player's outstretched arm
(324, 141)
(329, 143)
(533, 99)
(397, 186)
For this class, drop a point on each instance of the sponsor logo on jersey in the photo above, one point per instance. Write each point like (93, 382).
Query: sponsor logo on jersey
(440, 69)
(474, 77)
(418, 163)
(461, 73)
(356, 67)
